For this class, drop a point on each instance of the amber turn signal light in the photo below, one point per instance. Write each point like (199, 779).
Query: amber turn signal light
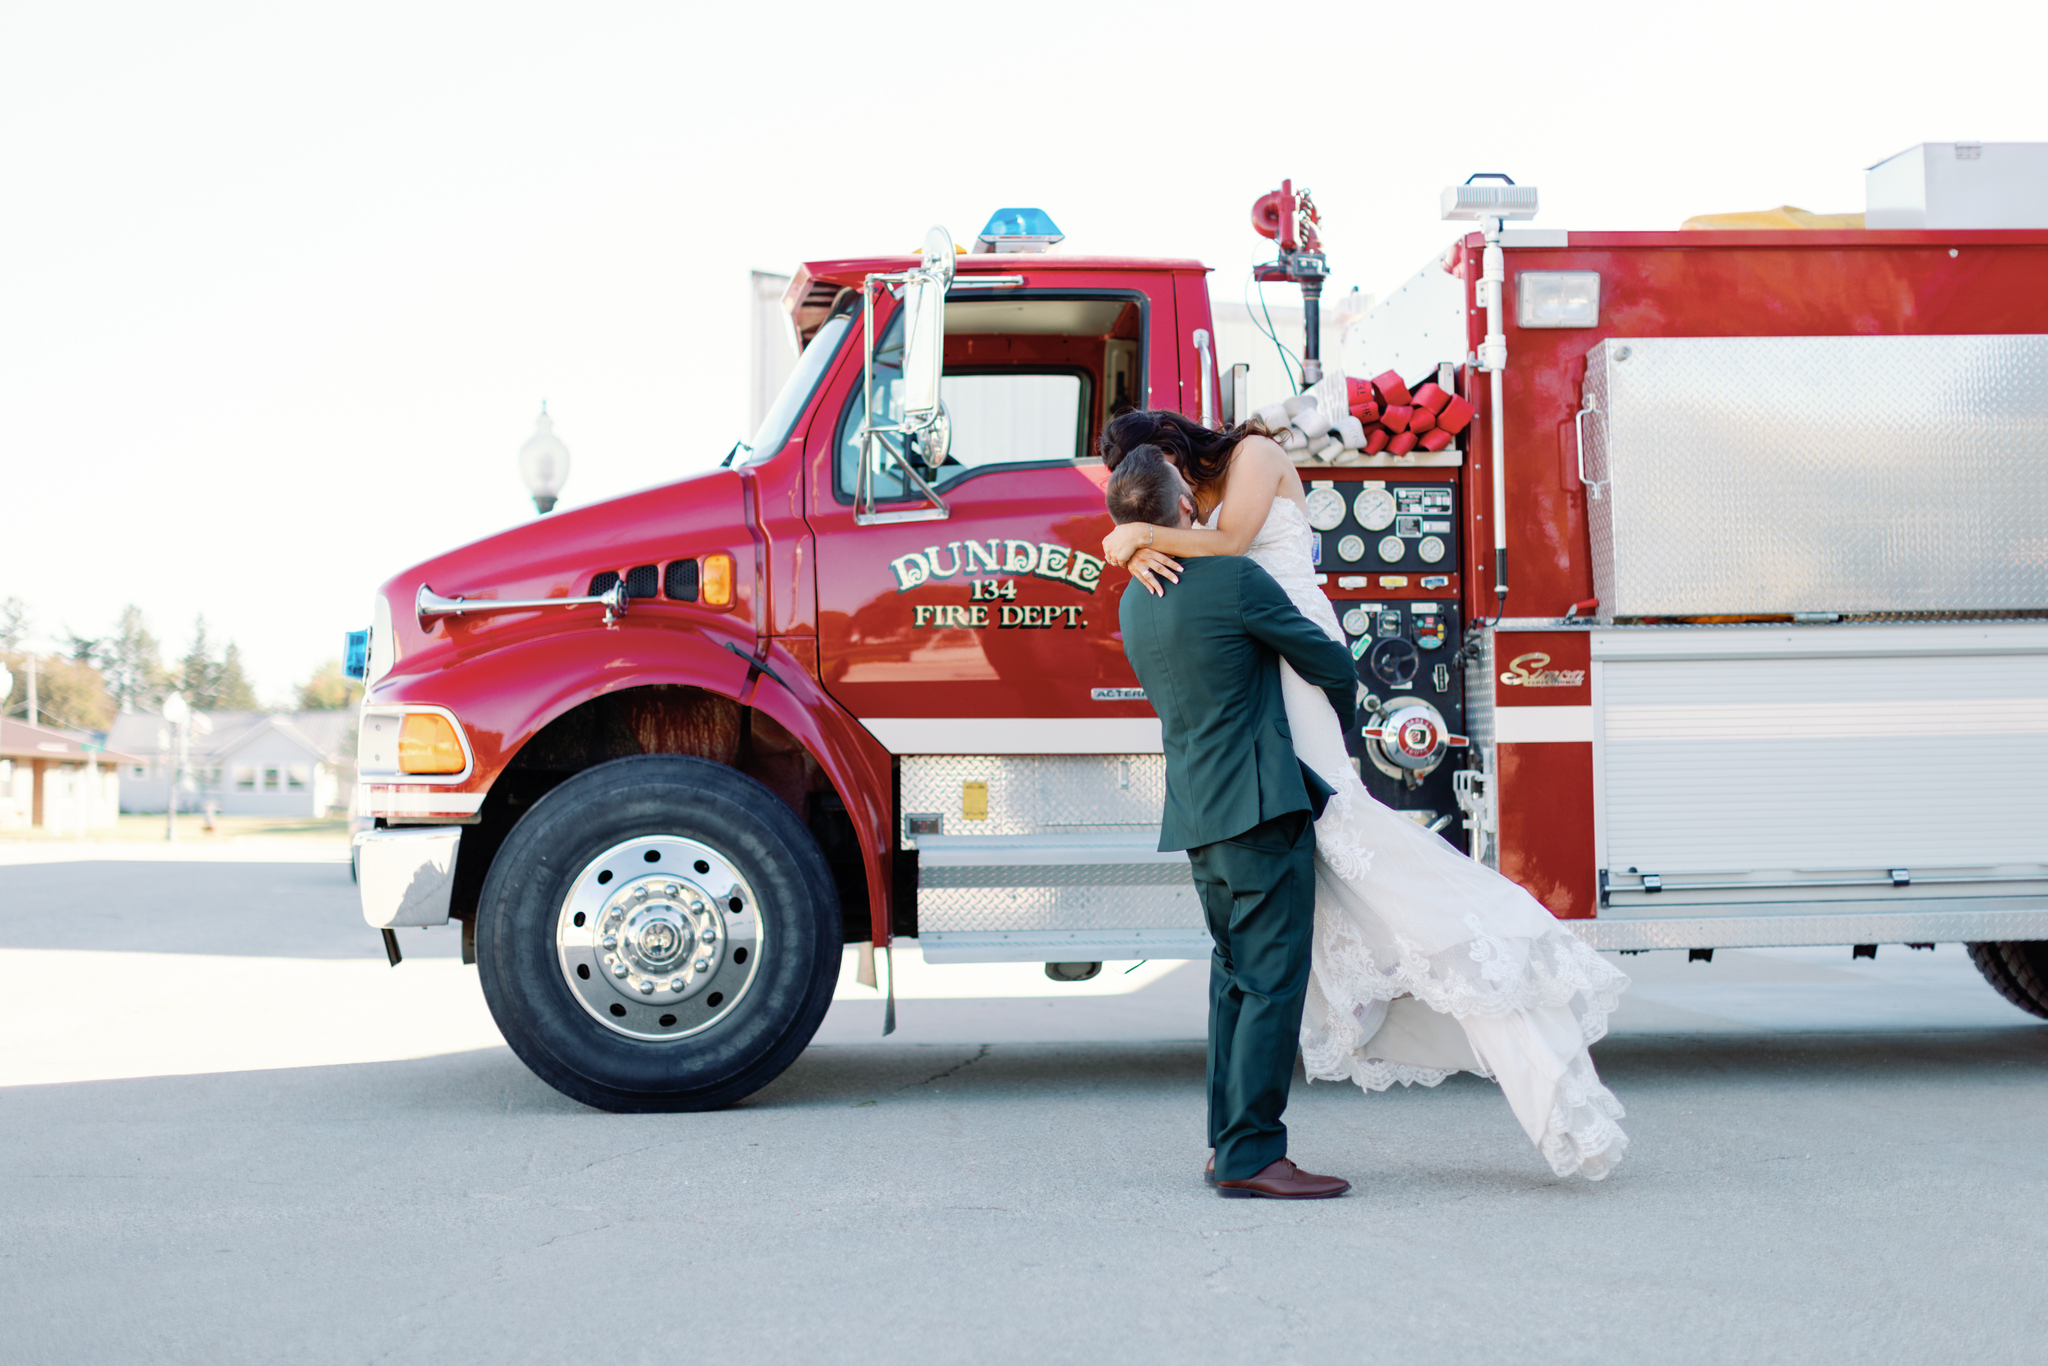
(715, 585)
(427, 743)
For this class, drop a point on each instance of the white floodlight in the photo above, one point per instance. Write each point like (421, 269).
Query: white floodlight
(1557, 298)
(1471, 203)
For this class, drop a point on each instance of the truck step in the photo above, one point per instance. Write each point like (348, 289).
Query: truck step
(1062, 896)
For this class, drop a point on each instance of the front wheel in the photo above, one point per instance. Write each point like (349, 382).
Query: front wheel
(658, 933)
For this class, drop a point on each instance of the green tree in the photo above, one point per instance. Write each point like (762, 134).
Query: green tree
(13, 624)
(214, 684)
(131, 661)
(69, 693)
(198, 674)
(234, 691)
(329, 689)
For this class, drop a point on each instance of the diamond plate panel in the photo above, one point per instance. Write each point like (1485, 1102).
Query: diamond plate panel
(1036, 794)
(1076, 907)
(1067, 875)
(1796, 474)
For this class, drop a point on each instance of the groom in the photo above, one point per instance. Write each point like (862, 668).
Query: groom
(1243, 807)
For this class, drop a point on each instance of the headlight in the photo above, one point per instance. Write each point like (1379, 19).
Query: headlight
(427, 743)
(409, 742)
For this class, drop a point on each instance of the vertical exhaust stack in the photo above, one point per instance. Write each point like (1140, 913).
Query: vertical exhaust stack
(1290, 219)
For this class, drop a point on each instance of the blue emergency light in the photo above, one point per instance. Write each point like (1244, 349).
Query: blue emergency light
(1021, 230)
(355, 655)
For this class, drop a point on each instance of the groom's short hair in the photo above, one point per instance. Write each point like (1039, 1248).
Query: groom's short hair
(1146, 488)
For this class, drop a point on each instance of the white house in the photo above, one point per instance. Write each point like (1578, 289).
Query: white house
(249, 763)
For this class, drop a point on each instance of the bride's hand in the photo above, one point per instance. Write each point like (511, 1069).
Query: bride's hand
(1148, 566)
(1125, 541)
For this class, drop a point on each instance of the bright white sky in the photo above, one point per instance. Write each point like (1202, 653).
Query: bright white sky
(282, 286)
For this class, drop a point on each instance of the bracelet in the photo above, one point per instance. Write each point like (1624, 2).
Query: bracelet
(1150, 531)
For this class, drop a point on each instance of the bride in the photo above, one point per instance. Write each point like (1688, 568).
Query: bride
(1425, 962)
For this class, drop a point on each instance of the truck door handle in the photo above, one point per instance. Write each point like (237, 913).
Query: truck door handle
(1588, 405)
(1208, 377)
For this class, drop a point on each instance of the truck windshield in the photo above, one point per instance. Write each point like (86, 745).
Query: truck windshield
(796, 392)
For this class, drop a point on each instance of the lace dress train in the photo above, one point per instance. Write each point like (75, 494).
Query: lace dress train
(1427, 962)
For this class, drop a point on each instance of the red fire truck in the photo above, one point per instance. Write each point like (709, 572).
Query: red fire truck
(1720, 623)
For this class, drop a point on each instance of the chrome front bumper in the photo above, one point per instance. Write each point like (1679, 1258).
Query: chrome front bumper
(408, 875)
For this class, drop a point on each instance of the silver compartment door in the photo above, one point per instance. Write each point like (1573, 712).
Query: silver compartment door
(1758, 475)
(1798, 770)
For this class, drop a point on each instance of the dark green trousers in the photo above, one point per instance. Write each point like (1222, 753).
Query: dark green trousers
(1258, 892)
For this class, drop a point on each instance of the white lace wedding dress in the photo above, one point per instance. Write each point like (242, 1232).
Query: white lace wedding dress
(1427, 962)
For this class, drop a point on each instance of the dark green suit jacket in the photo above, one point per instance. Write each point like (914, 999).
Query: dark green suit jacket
(1205, 653)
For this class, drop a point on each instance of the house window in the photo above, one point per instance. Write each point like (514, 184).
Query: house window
(6, 770)
(297, 776)
(137, 771)
(245, 777)
(270, 782)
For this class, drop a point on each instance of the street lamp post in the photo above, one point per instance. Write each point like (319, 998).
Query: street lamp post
(178, 713)
(544, 462)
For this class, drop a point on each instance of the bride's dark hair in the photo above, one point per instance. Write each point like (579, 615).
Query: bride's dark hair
(1202, 454)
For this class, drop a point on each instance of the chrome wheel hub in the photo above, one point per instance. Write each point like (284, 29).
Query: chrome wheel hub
(659, 937)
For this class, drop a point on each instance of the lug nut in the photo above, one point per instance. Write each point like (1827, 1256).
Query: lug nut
(639, 894)
(619, 971)
(703, 965)
(610, 941)
(646, 987)
(672, 890)
(675, 984)
(708, 936)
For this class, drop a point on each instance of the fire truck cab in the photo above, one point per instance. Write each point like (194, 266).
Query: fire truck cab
(1721, 623)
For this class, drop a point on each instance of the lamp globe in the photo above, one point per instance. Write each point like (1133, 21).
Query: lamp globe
(544, 462)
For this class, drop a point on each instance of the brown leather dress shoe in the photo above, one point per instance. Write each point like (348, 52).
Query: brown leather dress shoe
(1209, 1171)
(1283, 1180)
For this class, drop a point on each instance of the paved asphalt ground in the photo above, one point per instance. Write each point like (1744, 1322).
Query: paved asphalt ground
(228, 1133)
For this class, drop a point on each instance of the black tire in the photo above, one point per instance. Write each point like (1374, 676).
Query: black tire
(539, 864)
(2019, 971)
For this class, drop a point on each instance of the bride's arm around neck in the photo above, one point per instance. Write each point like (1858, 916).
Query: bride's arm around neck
(1259, 472)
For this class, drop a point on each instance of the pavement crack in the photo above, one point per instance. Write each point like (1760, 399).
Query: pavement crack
(614, 1157)
(577, 1234)
(981, 1053)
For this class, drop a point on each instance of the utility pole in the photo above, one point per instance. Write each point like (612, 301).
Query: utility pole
(32, 718)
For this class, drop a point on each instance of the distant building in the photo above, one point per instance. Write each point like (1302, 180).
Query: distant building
(56, 780)
(299, 763)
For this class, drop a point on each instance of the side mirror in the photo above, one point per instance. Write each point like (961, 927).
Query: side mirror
(924, 329)
(922, 433)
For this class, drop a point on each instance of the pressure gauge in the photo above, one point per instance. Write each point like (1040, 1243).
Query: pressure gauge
(1431, 550)
(1391, 549)
(1351, 549)
(1374, 508)
(1357, 621)
(1325, 508)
